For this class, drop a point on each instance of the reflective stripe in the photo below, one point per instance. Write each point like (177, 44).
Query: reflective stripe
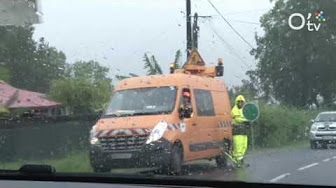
(95, 134)
(114, 132)
(170, 127)
(103, 133)
(128, 132)
(140, 131)
(224, 124)
(109, 132)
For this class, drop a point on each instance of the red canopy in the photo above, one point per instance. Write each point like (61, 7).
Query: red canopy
(18, 98)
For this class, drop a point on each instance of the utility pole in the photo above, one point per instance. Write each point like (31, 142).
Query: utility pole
(188, 15)
(195, 30)
(192, 31)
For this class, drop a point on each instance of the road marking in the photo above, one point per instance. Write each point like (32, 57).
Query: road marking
(334, 157)
(308, 166)
(279, 177)
(326, 160)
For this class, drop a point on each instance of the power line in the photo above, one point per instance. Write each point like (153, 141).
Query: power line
(248, 11)
(229, 47)
(247, 22)
(231, 25)
(241, 21)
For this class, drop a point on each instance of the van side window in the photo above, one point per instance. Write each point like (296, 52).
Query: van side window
(204, 103)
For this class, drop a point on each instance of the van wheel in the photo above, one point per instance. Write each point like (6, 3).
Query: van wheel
(98, 163)
(176, 160)
(101, 168)
(221, 161)
(313, 145)
(325, 145)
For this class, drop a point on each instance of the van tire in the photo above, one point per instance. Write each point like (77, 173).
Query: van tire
(102, 168)
(98, 162)
(176, 160)
(221, 160)
(325, 145)
(313, 144)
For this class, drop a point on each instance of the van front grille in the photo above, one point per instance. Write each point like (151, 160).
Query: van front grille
(122, 142)
(326, 129)
(321, 135)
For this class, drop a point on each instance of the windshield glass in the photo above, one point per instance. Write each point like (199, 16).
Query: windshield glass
(326, 117)
(186, 89)
(142, 101)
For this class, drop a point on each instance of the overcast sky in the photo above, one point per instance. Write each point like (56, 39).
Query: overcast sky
(117, 33)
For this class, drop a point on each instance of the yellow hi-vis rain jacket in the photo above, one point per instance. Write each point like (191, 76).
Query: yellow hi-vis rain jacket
(239, 132)
(236, 113)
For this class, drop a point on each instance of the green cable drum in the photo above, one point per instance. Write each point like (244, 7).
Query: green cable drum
(251, 111)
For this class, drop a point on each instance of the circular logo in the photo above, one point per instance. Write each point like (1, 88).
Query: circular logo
(251, 111)
(302, 18)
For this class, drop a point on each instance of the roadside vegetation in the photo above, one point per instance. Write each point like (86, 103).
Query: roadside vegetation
(280, 125)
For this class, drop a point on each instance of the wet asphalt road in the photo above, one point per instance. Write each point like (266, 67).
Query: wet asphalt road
(295, 165)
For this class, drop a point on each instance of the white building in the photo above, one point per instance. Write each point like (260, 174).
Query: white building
(20, 12)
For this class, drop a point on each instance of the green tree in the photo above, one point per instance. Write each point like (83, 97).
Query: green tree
(177, 60)
(32, 65)
(86, 88)
(151, 65)
(81, 95)
(121, 77)
(4, 74)
(246, 89)
(49, 64)
(89, 70)
(296, 66)
(17, 52)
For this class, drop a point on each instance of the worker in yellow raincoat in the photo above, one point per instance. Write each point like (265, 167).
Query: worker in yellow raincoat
(240, 129)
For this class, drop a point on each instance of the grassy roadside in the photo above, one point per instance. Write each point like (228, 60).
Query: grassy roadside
(79, 161)
(73, 162)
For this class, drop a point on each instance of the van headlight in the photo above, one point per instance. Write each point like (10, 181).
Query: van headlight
(157, 132)
(94, 140)
(93, 136)
(313, 127)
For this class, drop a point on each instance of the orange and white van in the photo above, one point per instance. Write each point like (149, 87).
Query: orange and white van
(143, 126)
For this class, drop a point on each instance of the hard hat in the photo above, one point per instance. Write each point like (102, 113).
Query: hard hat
(220, 61)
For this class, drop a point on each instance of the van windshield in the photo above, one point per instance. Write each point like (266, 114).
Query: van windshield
(142, 101)
(326, 117)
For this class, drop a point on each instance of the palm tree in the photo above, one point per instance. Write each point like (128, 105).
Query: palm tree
(121, 77)
(178, 55)
(152, 66)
